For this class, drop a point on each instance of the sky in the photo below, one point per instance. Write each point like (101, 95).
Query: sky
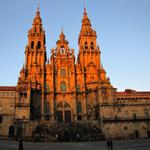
(123, 34)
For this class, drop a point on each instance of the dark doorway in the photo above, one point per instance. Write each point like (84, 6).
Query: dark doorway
(59, 116)
(11, 131)
(63, 112)
(67, 116)
(148, 134)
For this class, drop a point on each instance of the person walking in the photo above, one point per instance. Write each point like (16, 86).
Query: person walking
(20, 145)
(78, 137)
(109, 144)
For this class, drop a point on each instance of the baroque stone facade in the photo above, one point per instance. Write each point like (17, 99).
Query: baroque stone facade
(63, 89)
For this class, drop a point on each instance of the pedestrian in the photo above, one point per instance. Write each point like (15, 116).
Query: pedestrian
(78, 137)
(56, 137)
(20, 145)
(109, 144)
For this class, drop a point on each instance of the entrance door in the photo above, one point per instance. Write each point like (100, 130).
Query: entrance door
(67, 116)
(59, 116)
(63, 112)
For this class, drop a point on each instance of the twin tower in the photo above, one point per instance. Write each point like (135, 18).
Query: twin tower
(60, 88)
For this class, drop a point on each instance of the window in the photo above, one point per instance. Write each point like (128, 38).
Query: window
(47, 88)
(7, 93)
(86, 45)
(21, 94)
(134, 116)
(78, 88)
(79, 107)
(62, 50)
(32, 44)
(39, 45)
(92, 45)
(12, 93)
(1, 118)
(63, 87)
(62, 72)
(25, 95)
(116, 117)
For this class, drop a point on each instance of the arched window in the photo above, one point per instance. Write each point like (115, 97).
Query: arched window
(92, 45)
(25, 95)
(86, 45)
(39, 45)
(63, 87)
(62, 72)
(47, 88)
(32, 44)
(79, 107)
(78, 88)
(21, 95)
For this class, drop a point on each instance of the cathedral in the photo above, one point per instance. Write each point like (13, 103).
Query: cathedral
(66, 89)
(61, 88)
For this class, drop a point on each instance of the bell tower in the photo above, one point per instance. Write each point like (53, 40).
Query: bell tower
(35, 52)
(32, 76)
(89, 52)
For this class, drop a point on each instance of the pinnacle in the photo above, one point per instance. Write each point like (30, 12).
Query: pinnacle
(85, 20)
(62, 36)
(37, 19)
(85, 13)
(38, 11)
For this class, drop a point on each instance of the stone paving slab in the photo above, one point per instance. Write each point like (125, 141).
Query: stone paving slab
(118, 145)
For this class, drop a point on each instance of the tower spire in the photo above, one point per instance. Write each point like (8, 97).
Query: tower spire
(62, 36)
(85, 13)
(62, 30)
(38, 9)
(37, 19)
(85, 20)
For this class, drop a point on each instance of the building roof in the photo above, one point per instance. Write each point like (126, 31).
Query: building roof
(7, 88)
(130, 92)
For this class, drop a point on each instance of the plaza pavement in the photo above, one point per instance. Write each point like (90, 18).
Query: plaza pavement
(143, 144)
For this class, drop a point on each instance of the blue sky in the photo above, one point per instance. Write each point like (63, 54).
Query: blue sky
(122, 26)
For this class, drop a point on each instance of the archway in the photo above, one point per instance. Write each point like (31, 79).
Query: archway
(63, 112)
